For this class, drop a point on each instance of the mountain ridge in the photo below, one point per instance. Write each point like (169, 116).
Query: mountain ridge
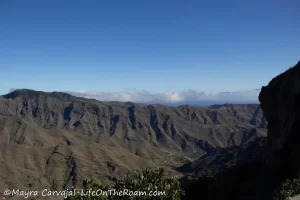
(189, 97)
(60, 130)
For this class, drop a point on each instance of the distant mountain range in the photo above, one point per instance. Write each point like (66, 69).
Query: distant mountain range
(174, 98)
(204, 103)
(55, 140)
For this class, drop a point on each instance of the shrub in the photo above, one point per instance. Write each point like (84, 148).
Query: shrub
(148, 180)
(289, 188)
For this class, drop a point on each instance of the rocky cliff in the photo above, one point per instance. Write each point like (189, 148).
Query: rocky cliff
(280, 102)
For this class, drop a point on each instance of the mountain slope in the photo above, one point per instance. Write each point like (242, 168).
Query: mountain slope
(55, 139)
(226, 173)
(220, 160)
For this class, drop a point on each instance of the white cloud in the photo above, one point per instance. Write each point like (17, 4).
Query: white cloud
(168, 97)
(12, 89)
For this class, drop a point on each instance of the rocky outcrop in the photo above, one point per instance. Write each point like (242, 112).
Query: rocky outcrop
(280, 102)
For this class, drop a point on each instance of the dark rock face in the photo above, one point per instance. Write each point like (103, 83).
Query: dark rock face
(280, 102)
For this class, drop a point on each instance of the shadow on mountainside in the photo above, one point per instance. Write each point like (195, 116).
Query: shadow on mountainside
(226, 173)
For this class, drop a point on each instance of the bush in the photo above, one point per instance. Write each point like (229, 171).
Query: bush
(148, 180)
(289, 188)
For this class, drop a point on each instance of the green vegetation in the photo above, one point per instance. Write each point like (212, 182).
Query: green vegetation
(289, 188)
(148, 180)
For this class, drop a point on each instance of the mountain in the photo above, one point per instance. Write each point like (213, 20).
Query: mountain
(205, 103)
(55, 140)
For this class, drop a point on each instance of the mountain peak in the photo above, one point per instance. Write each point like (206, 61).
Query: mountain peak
(28, 93)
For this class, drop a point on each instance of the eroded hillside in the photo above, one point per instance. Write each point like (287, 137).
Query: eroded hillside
(54, 140)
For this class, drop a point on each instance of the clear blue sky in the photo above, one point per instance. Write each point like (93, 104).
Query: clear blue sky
(156, 45)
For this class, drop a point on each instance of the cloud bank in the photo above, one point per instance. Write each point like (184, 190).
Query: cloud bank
(142, 96)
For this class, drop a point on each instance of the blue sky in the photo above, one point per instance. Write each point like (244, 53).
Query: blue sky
(157, 46)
